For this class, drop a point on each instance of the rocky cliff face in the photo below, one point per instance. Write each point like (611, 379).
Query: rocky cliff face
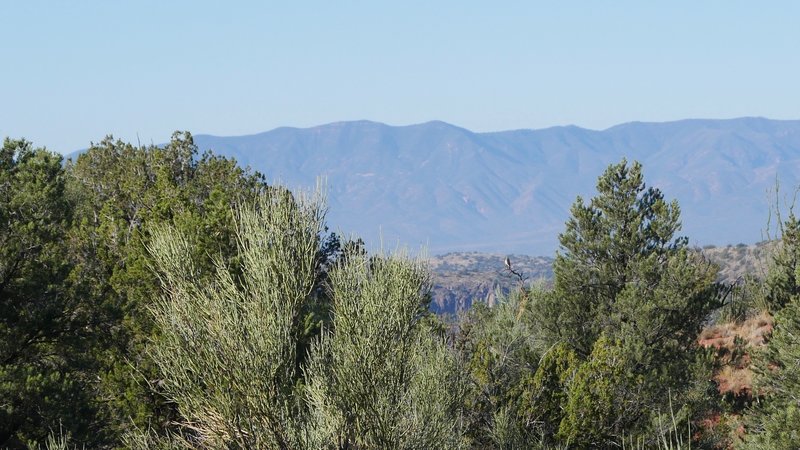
(461, 279)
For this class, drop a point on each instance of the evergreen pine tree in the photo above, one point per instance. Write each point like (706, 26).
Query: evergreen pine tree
(621, 273)
(774, 422)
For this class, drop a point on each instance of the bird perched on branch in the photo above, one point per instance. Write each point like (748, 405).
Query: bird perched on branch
(508, 263)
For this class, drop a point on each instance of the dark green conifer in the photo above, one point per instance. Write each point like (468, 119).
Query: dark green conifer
(43, 324)
(621, 273)
(774, 421)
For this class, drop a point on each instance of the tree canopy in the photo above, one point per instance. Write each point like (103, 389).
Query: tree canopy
(156, 297)
(629, 299)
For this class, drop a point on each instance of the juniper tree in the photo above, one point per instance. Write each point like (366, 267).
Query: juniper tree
(501, 353)
(119, 191)
(43, 324)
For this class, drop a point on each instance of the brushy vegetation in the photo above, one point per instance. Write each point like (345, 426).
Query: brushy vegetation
(156, 298)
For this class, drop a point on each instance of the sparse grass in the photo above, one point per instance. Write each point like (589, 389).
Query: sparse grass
(735, 380)
(733, 341)
(753, 331)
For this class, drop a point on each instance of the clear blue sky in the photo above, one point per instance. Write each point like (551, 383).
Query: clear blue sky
(73, 72)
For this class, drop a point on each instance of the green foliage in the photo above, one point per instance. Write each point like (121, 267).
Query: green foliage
(380, 377)
(781, 282)
(78, 282)
(501, 353)
(599, 399)
(119, 193)
(41, 320)
(621, 274)
(775, 421)
(609, 404)
(617, 333)
(553, 377)
(175, 300)
(227, 348)
(605, 247)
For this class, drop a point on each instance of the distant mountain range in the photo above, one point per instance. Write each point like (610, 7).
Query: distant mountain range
(452, 189)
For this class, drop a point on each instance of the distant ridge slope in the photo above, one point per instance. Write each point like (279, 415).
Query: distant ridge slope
(451, 189)
(460, 279)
